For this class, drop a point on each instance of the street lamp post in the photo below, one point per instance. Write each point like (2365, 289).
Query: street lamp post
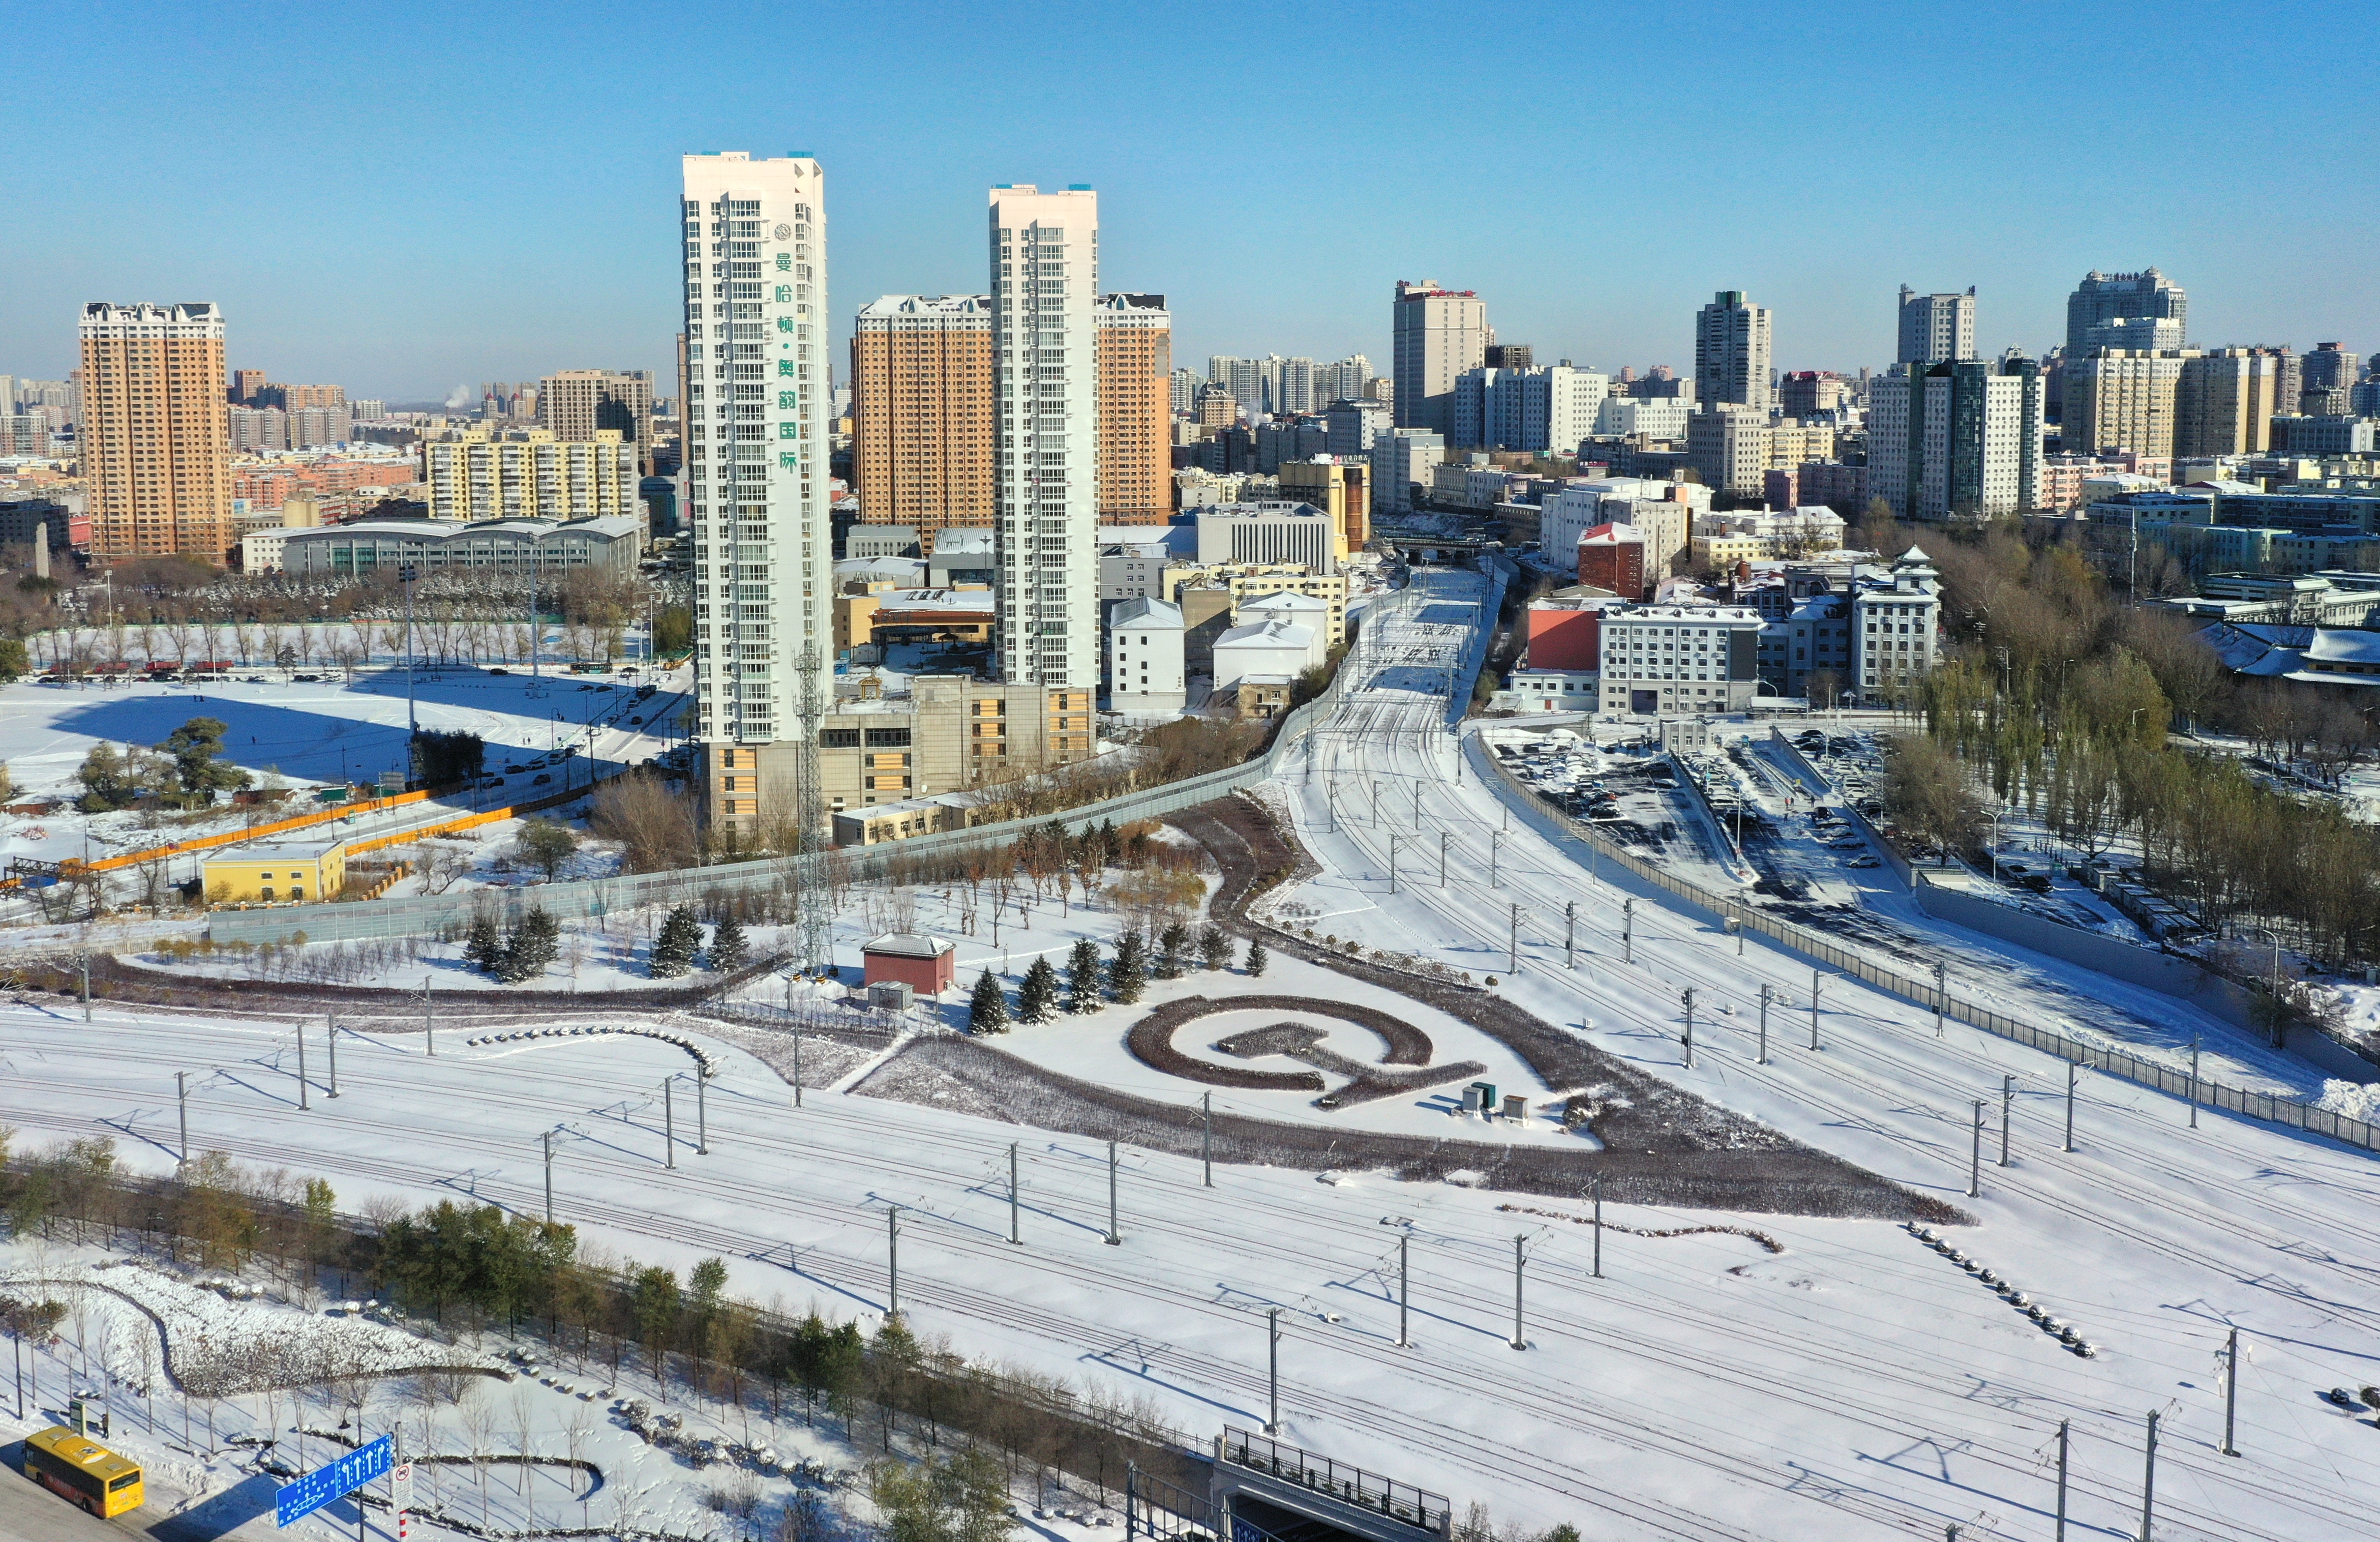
(412, 719)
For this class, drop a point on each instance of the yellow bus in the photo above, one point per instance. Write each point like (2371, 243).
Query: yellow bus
(84, 1471)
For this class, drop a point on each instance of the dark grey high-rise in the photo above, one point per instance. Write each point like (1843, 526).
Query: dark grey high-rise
(2101, 298)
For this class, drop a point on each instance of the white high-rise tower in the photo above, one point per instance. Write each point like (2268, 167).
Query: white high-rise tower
(757, 405)
(1045, 280)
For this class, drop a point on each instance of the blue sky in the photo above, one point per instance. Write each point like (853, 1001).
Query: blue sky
(400, 198)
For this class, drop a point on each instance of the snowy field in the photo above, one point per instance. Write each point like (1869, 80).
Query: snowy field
(1856, 1383)
(316, 734)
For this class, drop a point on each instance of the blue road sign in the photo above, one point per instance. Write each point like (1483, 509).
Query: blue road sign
(308, 1494)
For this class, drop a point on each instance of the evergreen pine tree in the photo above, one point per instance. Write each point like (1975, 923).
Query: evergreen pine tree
(533, 944)
(1083, 977)
(484, 945)
(1128, 971)
(1214, 948)
(1037, 1002)
(673, 950)
(729, 947)
(987, 1008)
(1256, 958)
(1172, 944)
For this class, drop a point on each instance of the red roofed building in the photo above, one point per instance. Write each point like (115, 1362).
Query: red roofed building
(1565, 635)
(1612, 557)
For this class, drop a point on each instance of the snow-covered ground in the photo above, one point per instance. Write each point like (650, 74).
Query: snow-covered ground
(318, 733)
(1856, 1384)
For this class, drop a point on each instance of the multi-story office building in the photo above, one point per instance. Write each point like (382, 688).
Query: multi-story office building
(2103, 298)
(574, 403)
(152, 432)
(1134, 342)
(482, 473)
(1809, 392)
(1281, 530)
(1731, 351)
(923, 431)
(1353, 424)
(1728, 446)
(1144, 657)
(2225, 400)
(2327, 367)
(1956, 439)
(1044, 256)
(1289, 439)
(2324, 435)
(2122, 399)
(1665, 659)
(1216, 407)
(1936, 327)
(1653, 416)
(758, 496)
(1404, 459)
(1438, 333)
(1544, 408)
(1898, 626)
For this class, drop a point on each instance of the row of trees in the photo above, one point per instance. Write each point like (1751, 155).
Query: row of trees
(1090, 984)
(185, 771)
(2060, 703)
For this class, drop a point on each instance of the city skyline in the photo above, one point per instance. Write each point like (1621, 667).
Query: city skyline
(1258, 252)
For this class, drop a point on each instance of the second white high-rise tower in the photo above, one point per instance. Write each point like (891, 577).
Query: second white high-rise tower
(1045, 280)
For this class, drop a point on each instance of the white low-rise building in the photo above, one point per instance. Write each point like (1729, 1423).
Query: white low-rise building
(1664, 658)
(1897, 626)
(1271, 649)
(1144, 657)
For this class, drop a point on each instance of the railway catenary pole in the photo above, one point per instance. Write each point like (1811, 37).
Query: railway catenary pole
(2062, 1425)
(1570, 934)
(1975, 1158)
(1628, 930)
(1207, 1139)
(1814, 1008)
(2231, 1393)
(428, 1023)
(182, 1105)
(1272, 1374)
(2069, 1106)
(1687, 1038)
(82, 961)
(1941, 989)
(2008, 1097)
(1519, 1258)
(797, 1071)
(303, 1102)
(669, 1124)
(1393, 863)
(1762, 1058)
(1495, 858)
(331, 1042)
(1441, 858)
(701, 1112)
(2148, 1485)
(892, 1262)
(1015, 1234)
(1405, 1288)
(1115, 1236)
(1512, 947)
(548, 1138)
(1598, 1226)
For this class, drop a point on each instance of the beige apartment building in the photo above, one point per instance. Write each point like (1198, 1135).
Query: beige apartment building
(576, 404)
(2123, 399)
(474, 474)
(1244, 582)
(945, 733)
(156, 442)
(1135, 340)
(2225, 400)
(922, 393)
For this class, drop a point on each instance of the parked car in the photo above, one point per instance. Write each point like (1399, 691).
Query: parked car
(492, 670)
(540, 779)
